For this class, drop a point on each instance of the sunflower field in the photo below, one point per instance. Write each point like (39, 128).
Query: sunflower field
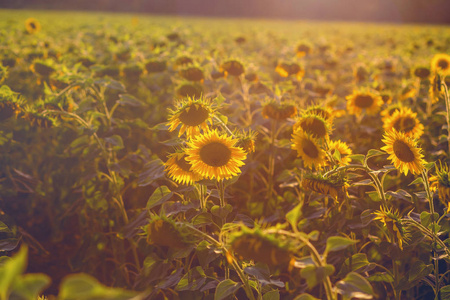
(147, 157)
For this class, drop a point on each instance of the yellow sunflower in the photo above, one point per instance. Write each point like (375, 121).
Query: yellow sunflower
(390, 218)
(180, 170)
(308, 149)
(314, 125)
(442, 179)
(362, 100)
(334, 187)
(405, 121)
(286, 70)
(215, 155)
(323, 111)
(441, 63)
(343, 150)
(303, 49)
(388, 111)
(192, 114)
(403, 152)
(32, 25)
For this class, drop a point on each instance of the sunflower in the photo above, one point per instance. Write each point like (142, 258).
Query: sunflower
(422, 72)
(435, 89)
(303, 49)
(246, 140)
(286, 70)
(362, 100)
(334, 187)
(313, 125)
(42, 68)
(183, 61)
(443, 184)
(407, 92)
(403, 151)
(386, 97)
(390, 218)
(156, 66)
(361, 73)
(277, 111)
(163, 231)
(322, 111)
(232, 67)
(192, 114)
(192, 74)
(343, 150)
(441, 63)
(388, 111)
(180, 170)
(8, 109)
(308, 149)
(405, 121)
(190, 90)
(215, 155)
(32, 25)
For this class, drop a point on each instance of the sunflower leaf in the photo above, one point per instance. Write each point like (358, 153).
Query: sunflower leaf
(416, 181)
(336, 243)
(357, 158)
(374, 152)
(226, 288)
(355, 286)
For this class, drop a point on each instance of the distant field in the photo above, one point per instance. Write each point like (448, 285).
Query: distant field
(159, 157)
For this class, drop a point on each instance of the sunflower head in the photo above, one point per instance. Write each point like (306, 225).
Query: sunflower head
(179, 169)
(192, 90)
(386, 97)
(183, 61)
(192, 74)
(361, 73)
(335, 186)
(246, 140)
(240, 40)
(215, 156)
(407, 92)
(32, 25)
(308, 149)
(252, 77)
(443, 183)
(254, 244)
(435, 90)
(314, 125)
(343, 149)
(303, 49)
(363, 100)
(388, 111)
(10, 103)
(278, 111)
(156, 66)
(391, 220)
(422, 72)
(232, 67)
(322, 111)
(132, 72)
(163, 231)
(405, 121)
(285, 70)
(403, 152)
(42, 68)
(192, 114)
(441, 63)
(38, 120)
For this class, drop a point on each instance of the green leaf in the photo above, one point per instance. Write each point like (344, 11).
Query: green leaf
(4, 227)
(357, 261)
(400, 194)
(315, 275)
(115, 141)
(85, 287)
(11, 270)
(416, 181)
(381, 277)
(305, 297)
(354, 286)
(192, 280)
(374, 196)
(226, 288)
(336, 243)
(159, 196)
(30, 286)
(374, 152)
(357, 158)
(221, 212)
(294, 215)
(203, 218)
(419, 270)
(272, 295)
(126, 99)
(425, 218)
(444, 292)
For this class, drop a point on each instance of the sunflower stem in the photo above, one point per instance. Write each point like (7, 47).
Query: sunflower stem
(272, 153)
(221, 194)
(447, 108)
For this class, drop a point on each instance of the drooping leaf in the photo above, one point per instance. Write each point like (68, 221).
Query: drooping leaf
(226, 288)
(354, 286)
(336, 243)
(159, 196)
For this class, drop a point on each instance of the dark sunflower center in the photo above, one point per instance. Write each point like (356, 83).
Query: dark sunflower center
(183, 164)
(443, 64)
(316, 127)
(363, 101)
(310, 149)
(32, 25)
(195, 116)
(215, 154)
(403, 152)
(405, 124)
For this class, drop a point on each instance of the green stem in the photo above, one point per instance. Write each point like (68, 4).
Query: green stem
(271, 168)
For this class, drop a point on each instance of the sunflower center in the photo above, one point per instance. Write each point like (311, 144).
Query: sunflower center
(215, 154)
(32, 25)
(310, 149)
(195, 116)
(183, 164)
(315, 127)
(403, 152)
(405, 124)
(443, 64)
(363, 101)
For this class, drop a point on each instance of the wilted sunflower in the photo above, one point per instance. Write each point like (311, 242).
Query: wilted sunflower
(215, 155)
(335, 187)
(246, 140)
(435, 89)
(443, 184)
(38, 120)
(32, 25)
(308, 149)
(390, 218)
(8, 108)
(422, 72)
(42, 68)
(403, 152)
(180, 170)
(405, 121)
(190, 90)
(277, 111)
(343, 150)
(156, 66)
(441, 63)
(183, 61)
(363, 100)
(361, 73)
(253, 244)
(303, 49)
(192, 114)
(314, 125)
(192, 74)
(286, 70)
(163, 231)
(232, 67)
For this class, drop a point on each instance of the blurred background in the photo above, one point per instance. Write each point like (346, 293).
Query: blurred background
(397, 11)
